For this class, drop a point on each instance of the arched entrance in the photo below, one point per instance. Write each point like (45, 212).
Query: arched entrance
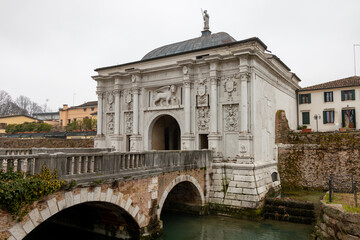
(90, 220)
(165, 134)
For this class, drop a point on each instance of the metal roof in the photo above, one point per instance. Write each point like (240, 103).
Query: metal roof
(202, 42)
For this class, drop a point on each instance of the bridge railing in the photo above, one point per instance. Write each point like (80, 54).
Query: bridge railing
(73, 165)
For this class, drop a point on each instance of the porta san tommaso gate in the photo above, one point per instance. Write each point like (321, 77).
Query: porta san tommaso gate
(158, 115)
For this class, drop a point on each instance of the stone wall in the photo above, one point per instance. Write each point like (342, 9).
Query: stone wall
(335, 223)
(47, 143)
(307, 160)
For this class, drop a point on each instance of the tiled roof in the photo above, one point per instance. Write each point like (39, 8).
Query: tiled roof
(88, 104)
(18, 115)
(341, 83)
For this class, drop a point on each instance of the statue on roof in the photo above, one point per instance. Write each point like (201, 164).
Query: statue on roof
(206, 20)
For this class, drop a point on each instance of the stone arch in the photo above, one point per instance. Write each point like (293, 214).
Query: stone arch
(153, 120)
(177, 180)
(58, 202)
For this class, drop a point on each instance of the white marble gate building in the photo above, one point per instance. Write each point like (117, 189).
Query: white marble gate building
(210, 92)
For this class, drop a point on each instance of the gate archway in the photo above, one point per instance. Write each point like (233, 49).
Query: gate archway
(165, 133)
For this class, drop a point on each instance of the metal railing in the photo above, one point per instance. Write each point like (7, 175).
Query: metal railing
(343, 184)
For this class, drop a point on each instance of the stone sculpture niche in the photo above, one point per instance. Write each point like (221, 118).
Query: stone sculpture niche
(166, 96)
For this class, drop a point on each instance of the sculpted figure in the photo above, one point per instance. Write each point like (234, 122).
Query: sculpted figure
(206, 20)
(166, 96)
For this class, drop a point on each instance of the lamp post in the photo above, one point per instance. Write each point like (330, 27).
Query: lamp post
(317, 117)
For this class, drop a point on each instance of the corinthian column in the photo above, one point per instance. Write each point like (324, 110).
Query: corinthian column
(117, 111)
(100, 113)
(213, 105)
(187, 107)
(244, 77)
(135, 111)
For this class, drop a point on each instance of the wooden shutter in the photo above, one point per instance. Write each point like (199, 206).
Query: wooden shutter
(354, 118)
(309, 94)
(342, 95)
(300, 100)
(353, 94)
(325, 97)
(324, 117)
(343, 117)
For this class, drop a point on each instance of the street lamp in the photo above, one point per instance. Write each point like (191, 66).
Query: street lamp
(317, 117)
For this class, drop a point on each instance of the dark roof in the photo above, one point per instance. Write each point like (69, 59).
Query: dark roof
(46, 113)
(88, 104)
(202, 42)
(341, 83)
(18, 115)
(253, 39)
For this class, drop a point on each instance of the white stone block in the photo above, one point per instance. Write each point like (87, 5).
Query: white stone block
(61, 204)
(261, 189)
(17, 231)
(109, 194)
(83, 195)
(227, 202)
(122, 203)
(11, 238)
(245, 184)
(135, 211)
(45, 214)
(244, 178)
(28, 226)
(113, 199)
(249, 191)
(219, 195)
(131, 209)
(128, 204)
(69, 199)
(90, 196)
(154, 180)
(97, 193)
(52, 206)
(35, 217)
(217, 177)
(248, 204)
(76, 199)
(154, 195)
(236, 203)
(102, 196)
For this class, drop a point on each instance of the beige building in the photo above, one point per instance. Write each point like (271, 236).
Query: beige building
(14, 119)
(335, 104)
(69, 114)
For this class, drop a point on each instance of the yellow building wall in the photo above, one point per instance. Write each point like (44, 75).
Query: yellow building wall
(14, 120)
(76, 113)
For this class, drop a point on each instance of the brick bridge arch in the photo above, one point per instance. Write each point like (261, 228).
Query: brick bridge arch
(60, 201)
(176, 181)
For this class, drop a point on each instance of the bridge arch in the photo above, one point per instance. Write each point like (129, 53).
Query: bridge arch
(61, 201)
(164, 132)
(176, 182)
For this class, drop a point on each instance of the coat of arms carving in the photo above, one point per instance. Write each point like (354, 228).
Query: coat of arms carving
(230, 86)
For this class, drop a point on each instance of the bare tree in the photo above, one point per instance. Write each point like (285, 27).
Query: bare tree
(7, 106)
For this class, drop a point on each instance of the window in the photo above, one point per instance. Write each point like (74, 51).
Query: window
(328, 97)
(3, 125)
(347, 95)
(304, 98)
(305, 117)
(328, 117)
(84, 109)
(92, 109)
(69, 120)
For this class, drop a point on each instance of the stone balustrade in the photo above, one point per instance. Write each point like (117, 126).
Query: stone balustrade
(85, 167)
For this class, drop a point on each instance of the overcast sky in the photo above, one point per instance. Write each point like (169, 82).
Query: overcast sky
(49, 49)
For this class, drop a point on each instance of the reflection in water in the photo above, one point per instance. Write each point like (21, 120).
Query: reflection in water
(190, 227)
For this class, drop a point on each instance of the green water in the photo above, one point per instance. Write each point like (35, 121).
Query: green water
(178, 226)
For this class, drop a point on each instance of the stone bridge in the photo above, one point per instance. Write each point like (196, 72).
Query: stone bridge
(116, 194)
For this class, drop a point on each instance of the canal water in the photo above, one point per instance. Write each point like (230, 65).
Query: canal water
(179, 226)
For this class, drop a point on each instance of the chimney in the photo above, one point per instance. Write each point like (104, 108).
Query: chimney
(65, 106)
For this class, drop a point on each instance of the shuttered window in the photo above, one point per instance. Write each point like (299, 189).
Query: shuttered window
(347, 95)
(305, 117)
(304, 98)
(328, 117)
(328, 97)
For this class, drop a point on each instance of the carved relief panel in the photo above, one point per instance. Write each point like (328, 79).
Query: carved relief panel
(202, 97)
(165, 96)
(128, 122)
(110, 101)
(203, 119)
(230, 86)
(128, 98)
(110, 123)
(231, 117)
